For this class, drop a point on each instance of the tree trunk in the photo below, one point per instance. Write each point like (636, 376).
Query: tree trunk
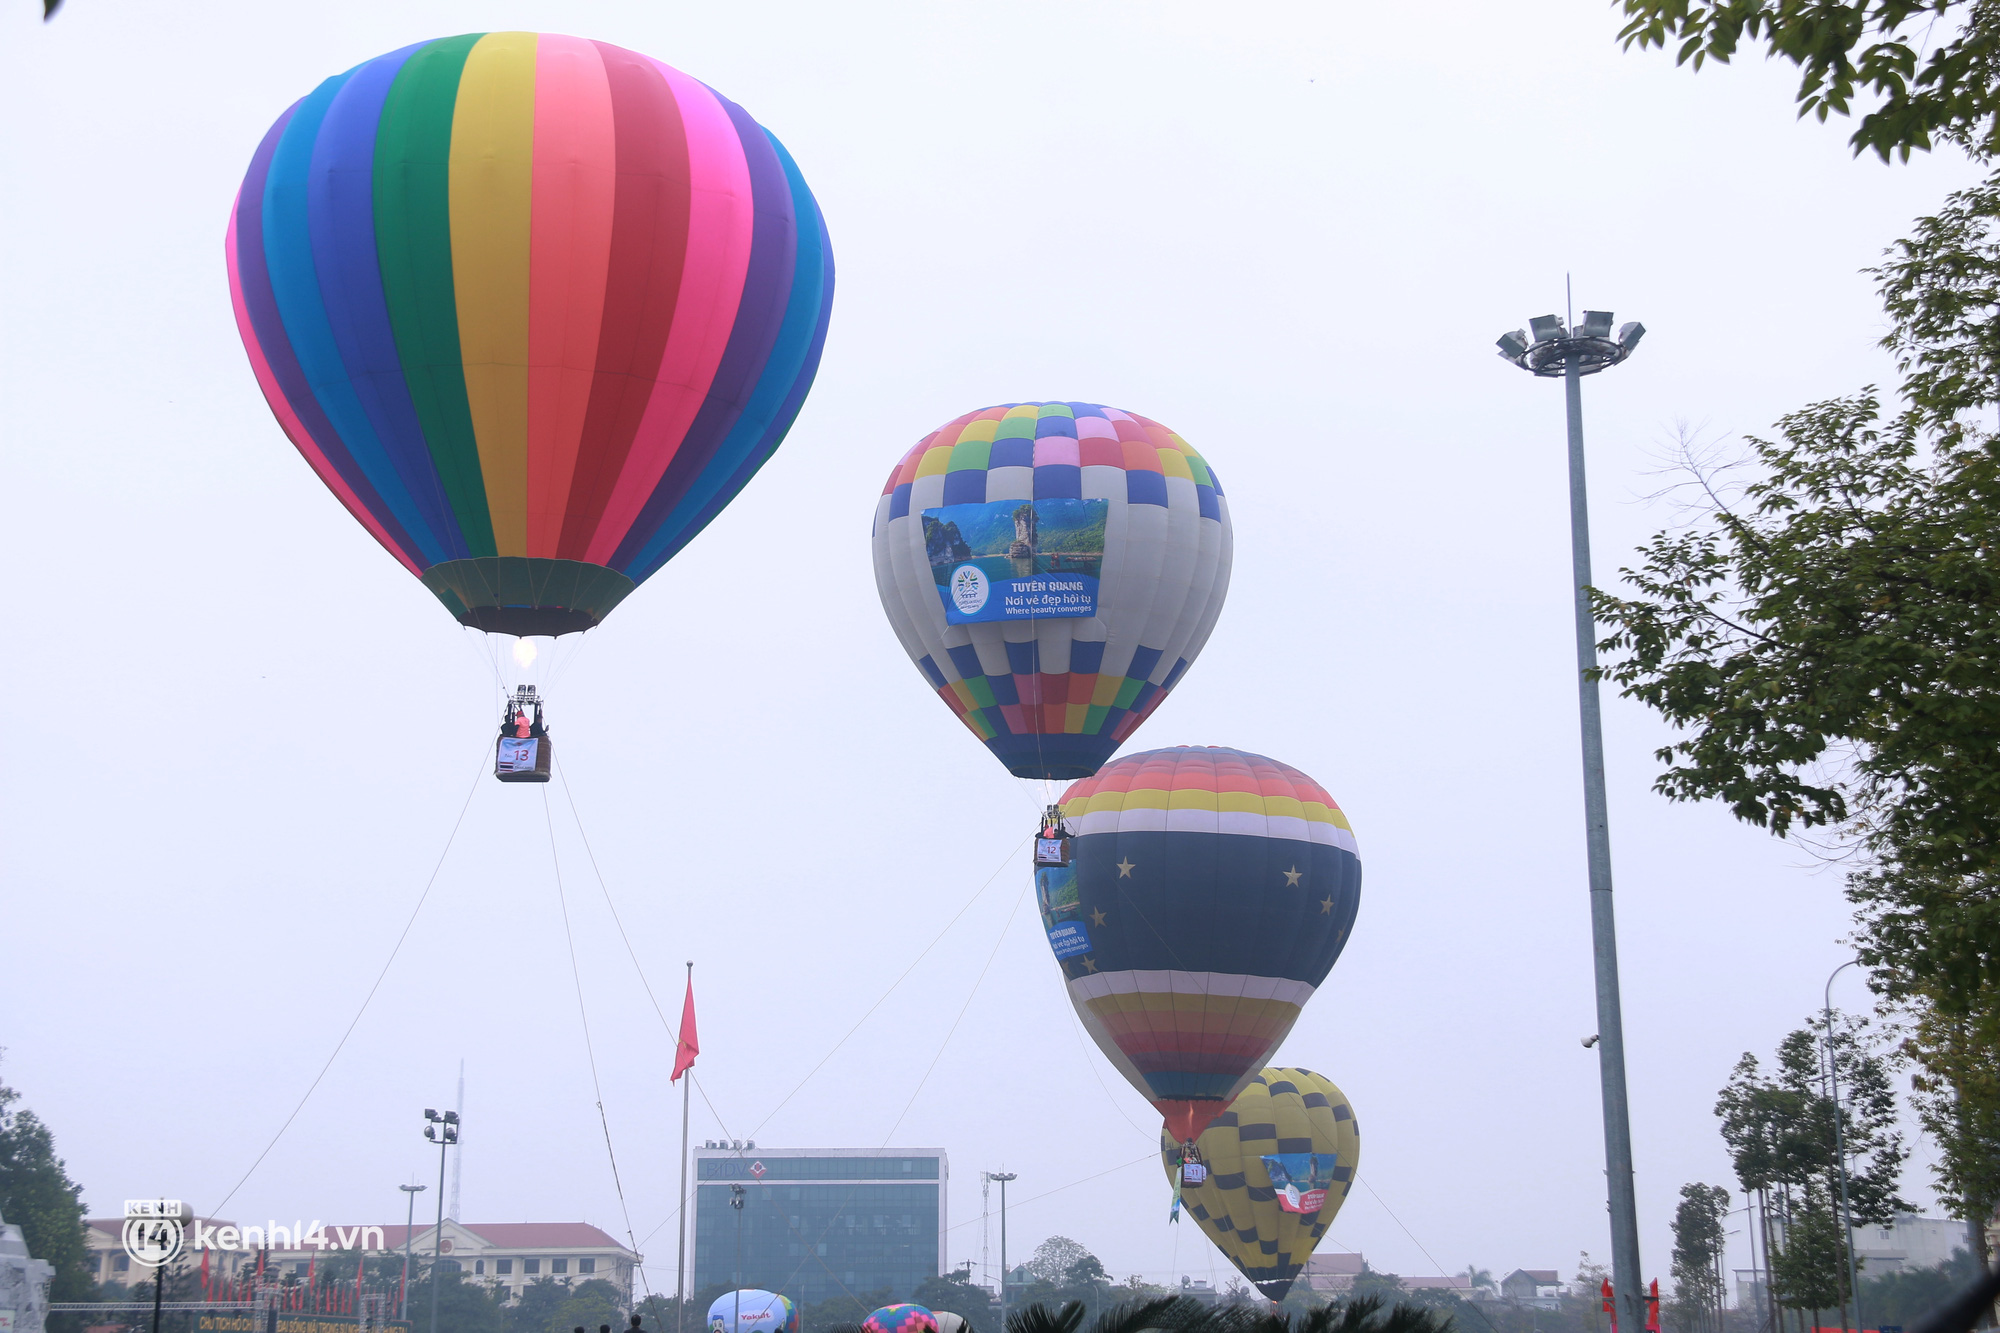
(1771, 1303)
(1984, 1252)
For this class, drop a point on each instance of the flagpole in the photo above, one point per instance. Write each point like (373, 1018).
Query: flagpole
(680, 1263)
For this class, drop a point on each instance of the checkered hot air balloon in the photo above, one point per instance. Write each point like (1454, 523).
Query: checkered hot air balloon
(1052, 569)
(1280, 1161)
(535, 308)
(1208, 894)
(900, 1319)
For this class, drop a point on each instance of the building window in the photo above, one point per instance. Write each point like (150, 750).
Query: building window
(478, 1265)
(586, 1265)
(559, 1265)
(503, 1265)
(121, 1262)
(531, 1266)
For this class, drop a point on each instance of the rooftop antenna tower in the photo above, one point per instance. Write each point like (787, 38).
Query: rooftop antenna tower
(458, 1162)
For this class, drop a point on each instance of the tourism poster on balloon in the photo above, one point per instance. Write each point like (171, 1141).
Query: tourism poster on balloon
(1301, 1179)
(1016, 559)
(1056, 894)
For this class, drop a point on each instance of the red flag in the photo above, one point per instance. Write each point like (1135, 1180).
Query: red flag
(1653, 1307)
(1610, 1305)
(204, 1272)
(689, 1045)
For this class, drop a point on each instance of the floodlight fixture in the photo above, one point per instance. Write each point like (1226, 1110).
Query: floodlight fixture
(1551, 349)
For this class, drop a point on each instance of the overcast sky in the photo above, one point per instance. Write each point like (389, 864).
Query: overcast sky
(241, 734)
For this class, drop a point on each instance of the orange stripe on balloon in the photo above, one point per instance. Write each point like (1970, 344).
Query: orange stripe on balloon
(720, 211)
(574, 186)
(492, 172)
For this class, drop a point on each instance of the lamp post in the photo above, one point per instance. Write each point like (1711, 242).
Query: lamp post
(736, 1193)
(1003, 1177)
(1571, 354)
(443, 1131)
(1840, 1143)
(409, 1233)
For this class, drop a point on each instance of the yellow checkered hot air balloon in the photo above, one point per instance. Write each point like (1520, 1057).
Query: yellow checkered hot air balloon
(1274, 1169)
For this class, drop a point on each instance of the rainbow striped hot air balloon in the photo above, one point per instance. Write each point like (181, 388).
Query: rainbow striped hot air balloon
(1209, 893)
(534, 307)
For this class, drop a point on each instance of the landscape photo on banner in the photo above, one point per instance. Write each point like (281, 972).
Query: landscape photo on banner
(1016, 559)
(1301, 1179)
(1055, 886)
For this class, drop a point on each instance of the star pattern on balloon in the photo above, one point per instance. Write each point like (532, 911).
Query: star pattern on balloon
(1125, 869)
(1097, 917)
(1326, 905)
(1090, 964)
(1292, 876)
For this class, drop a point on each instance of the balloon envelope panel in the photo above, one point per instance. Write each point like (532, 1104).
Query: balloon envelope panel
(900, 1319)
(1053, 696)
(1209, 893)
(534, 307)
(752, 1311)
(1280, 1112)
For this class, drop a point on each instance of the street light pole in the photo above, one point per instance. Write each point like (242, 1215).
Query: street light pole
(409, 1231)
(443, 1131)
(736, 1193)
(1003, 1177)
(1554, 351)
(1840, 1144)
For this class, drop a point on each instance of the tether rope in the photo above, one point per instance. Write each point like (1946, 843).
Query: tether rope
(576, 975)
(370, 996)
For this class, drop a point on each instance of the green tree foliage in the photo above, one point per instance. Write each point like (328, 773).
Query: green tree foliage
(1845, 610)
(1957, 1097)
(1828, 636)
(845, 1311)
(1932, 65)
(591, 1305)
(464, 1305)
(1369, 1284)
(1809, 1270)
(534, 1309)
(1064, 1273)
(37, 1195)
(661, 1314)
(1780, 1131)
(1905, 1296)
(1699, 1228)
(955, 1292)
